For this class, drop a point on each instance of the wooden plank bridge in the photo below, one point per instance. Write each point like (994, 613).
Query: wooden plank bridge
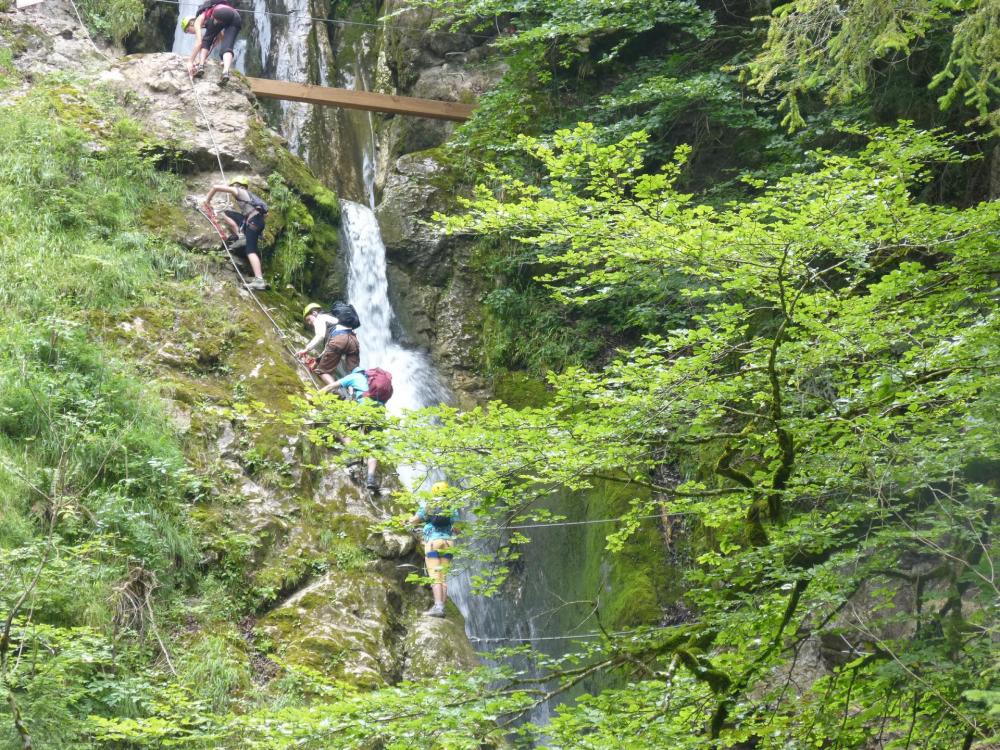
(366, 100)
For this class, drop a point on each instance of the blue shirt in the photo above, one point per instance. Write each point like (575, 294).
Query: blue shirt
(358, 381)
(432, 532)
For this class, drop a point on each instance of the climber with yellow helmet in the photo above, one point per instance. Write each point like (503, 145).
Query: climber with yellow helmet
(248, 220)
(215, 22)
(438, 519)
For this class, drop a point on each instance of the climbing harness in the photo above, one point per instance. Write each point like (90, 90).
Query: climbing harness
(87, 32)
(211, 219)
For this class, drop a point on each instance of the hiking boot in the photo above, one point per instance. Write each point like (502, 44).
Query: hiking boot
(224, 79)
(238, 243)
(436, 611)
(199, 71)
(372, 483)
(257, 285)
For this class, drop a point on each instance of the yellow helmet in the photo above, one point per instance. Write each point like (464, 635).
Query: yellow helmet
(242, 180)
(186, 21)
(439, 488)
(310, 308)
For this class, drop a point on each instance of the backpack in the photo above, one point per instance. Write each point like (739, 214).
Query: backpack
(345, 314)
(379, 384)
(439, 518)
(258, 205)
(209, 4)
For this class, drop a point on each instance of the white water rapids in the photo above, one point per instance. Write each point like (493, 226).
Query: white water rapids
(414, 380)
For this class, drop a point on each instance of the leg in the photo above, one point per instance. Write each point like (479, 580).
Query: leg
(230, 217)
(255, 264)
(252, 230)
(233, 25)
(438, 558)
(372, 481)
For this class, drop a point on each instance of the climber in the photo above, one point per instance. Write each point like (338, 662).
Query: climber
(372, 387)
(438, 535)
(213, 23)
(341, 341)
(249, 220)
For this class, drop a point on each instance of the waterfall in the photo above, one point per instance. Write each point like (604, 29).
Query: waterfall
(559, 565)
(415, 382)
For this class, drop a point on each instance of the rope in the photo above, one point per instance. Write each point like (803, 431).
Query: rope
(568, 637)
(87, 32)
(215, 145)
(343, 22)
(281, 333)
(582, 523)
(211, 219)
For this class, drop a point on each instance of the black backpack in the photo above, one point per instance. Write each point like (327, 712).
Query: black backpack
(439, 518)
(258, 205)
(345, 314)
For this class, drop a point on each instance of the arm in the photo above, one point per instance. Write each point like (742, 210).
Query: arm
(330, 386)
(417, 517)
(219, 189)
(198, 36)
(319, 328)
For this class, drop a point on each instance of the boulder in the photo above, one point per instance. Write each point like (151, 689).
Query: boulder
(437, 646)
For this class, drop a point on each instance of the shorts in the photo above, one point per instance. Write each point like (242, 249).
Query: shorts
(438, 557)
(251, 229)
(342, 347)
(226, 21)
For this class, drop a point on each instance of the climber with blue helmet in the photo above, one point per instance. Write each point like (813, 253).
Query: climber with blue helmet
(216, 22)
(438, 517)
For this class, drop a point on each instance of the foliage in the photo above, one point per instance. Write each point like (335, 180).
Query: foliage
(816, 45)
(92, 480)
(115, 19)
(831, 396)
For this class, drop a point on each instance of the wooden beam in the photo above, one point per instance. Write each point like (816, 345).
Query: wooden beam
(397, 105)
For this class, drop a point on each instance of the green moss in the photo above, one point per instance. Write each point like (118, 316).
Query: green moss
(520, 389)
(293, 170)
(638, 582)
(166, 219)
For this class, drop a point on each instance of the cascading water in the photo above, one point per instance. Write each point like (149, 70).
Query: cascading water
(415, 382)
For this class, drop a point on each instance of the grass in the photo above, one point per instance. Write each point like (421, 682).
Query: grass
(84, 448)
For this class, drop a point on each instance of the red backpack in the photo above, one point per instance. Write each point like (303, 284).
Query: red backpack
(379, 384)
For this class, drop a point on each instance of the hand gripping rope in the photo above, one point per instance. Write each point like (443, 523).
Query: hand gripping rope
(206, 211)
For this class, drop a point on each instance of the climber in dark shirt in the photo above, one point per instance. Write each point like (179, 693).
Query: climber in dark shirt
(248, 220)
(213, 23)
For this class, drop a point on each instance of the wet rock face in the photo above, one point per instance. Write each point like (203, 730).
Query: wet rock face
(435, 292)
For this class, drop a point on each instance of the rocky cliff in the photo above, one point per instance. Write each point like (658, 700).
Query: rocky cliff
(293, 545)
(391, 162)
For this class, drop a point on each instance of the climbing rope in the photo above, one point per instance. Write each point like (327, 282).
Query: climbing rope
(211, 134)
(232, 260)
(582, 523)
(343, 22)
(87, 32)
(567, 637)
